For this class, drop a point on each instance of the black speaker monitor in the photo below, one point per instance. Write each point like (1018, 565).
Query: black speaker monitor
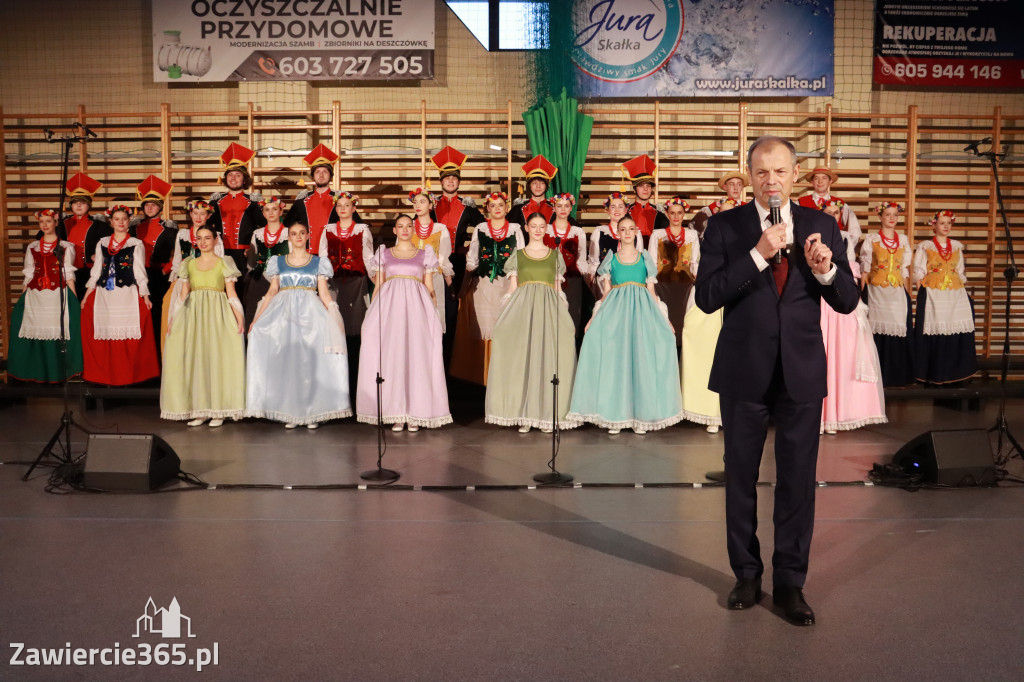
(957, 457)
(129, 461)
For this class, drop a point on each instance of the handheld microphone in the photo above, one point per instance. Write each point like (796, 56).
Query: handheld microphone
(775, 214)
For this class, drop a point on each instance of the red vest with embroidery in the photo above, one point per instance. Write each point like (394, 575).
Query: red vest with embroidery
(570, 251)
(346, 254)
(47, 273)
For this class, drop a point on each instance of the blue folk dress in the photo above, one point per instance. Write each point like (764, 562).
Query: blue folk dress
(627, 375)
(297, 370)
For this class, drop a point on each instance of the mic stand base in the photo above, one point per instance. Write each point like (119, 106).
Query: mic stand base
(552, 478)
(380, 475)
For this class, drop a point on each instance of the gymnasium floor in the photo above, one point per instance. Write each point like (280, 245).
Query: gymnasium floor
(592, 583)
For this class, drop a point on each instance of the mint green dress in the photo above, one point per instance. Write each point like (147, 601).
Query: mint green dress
(533, 338)
(628, 373)
(204, 357)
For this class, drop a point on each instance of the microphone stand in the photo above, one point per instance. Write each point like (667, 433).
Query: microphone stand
(380, 474)
(1010, 274)
(554, 476)
(63, 452)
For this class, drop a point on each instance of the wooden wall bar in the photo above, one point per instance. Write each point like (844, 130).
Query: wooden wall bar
(907, 156)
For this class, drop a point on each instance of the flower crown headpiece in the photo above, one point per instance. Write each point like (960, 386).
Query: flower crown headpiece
(119, 207)
(947, 213)
(46, 212)
(888, 204)
(678, 201)
(825, 203)
(494, 196)
(613, 195)
(565, 196)
(354, 198)
(200, 204)
(272, 201)
(418, 191)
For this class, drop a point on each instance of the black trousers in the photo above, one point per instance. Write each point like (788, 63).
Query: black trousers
(745, 426)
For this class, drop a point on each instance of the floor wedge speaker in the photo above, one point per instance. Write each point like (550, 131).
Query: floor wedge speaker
(957, 457)
(129, 461)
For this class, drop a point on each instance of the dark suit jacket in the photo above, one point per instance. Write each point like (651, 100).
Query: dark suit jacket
(760, 325)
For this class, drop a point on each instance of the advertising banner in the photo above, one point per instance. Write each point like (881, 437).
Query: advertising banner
(703, 48)
(203, 41)
(949, 43)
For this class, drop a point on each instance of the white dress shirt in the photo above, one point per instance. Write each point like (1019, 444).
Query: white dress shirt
(787, 218)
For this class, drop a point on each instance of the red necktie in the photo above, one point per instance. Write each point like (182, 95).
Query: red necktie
(780, 271)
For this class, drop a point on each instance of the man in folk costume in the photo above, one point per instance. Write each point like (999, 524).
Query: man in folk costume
(821, 180)
(733, 183)
(157, 236)
(84, 231)
(539, 172)
(460, 215)
(237, 212)
(641, 171)
(314, 208)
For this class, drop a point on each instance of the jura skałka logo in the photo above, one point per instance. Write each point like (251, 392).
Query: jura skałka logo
(625, 40)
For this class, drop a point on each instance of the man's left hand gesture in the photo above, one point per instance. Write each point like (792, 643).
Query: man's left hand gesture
(817, 255)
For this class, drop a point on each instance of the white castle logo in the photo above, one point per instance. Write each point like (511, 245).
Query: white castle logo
(165, 622)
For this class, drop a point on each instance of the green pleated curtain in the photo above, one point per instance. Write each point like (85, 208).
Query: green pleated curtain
(557, 130)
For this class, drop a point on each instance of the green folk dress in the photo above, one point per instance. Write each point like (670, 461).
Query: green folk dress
(533, 339)
(204, 358)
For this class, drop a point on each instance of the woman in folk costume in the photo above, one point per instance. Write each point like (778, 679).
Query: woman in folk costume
(732, 183)
(647, 215)
(571, 241)
(402, 338)
(436, 236)
(494, 241)
(675, 250)
(296, 370)
(855, 394)
(347, 245)
(700, 337)
(204, 360)
(628, 367)
(944, 350)
(117, 331)
(605, 238)
(885, 278)
(36, 321)
(185, 246)
(534, 339)
(267, 241)
(538, 173)
(82, 230)
(157, 236)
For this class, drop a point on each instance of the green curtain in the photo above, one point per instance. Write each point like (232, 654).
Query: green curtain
(557, 130)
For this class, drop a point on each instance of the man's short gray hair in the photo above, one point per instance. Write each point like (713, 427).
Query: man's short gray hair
(771, 141)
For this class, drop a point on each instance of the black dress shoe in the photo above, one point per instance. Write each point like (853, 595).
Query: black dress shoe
(791, 601)
(745, 594)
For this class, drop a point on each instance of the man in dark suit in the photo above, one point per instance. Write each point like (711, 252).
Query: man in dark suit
(770, 364)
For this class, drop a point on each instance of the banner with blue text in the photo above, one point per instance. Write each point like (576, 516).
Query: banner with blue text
(704, 48)
(210, 41)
